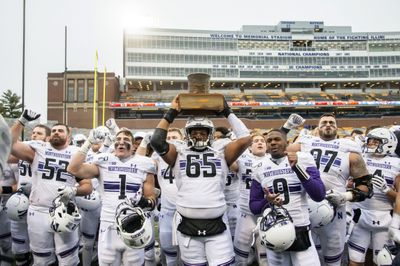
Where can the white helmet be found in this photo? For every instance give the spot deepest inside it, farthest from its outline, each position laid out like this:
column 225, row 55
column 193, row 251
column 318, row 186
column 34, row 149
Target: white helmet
column 388, row 141
column 78, row 139
column 17, row 206
column 133, row 227
column 276, row 229
column 386, row 255
column 321, row 213
column 89, row 202
column 64, row 217
column 203, row 123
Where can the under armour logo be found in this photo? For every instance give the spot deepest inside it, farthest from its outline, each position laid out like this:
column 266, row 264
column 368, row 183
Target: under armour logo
column 375, row 222
column 199, row 232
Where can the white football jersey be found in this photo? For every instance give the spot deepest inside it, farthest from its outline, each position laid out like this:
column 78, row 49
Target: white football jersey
column 387, row 167
column 119, row 180
column 200, row 178
column 332, row 159
column 167, row 183
column 25, row 171
column 280, row 178
column 49, row 172
column 247, row 162
column 231, row 190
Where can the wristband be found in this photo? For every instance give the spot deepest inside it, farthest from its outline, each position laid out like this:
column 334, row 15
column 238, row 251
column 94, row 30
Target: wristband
column 170, row 115
column 84, row 149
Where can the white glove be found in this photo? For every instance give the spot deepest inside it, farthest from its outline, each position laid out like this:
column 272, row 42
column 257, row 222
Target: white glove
column 294, row 121
column 112, row 126
column 28, row 116
column 146, row 140
column 67, row 192
column 394, row 232
column 338, row 198
column 98, row 134
column 110, row 139
column 380, row 183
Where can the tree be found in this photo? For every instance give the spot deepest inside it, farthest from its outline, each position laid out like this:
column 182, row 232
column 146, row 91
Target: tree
column 10, row 105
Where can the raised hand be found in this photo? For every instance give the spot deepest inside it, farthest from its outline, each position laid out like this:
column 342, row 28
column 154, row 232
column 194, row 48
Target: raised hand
column 294, row 121
column 28, row 116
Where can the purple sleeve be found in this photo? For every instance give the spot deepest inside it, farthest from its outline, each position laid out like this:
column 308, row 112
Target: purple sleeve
column 257, row 201
column 314, row 186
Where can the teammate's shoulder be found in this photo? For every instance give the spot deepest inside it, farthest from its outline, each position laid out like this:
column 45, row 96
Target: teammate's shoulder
column 305, row 158
column 305, row 139
column 179, row 144
column 220, row 144
column 348, row 145
column 145, row 163
column 37, row 144
column 101, row 158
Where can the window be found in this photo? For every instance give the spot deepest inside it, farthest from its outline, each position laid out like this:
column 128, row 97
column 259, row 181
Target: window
column 90, row 93
column 71, row 90
column 81, row 90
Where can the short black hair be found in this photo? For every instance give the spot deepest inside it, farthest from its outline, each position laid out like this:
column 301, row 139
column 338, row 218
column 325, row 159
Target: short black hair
column 224, row 130
column 356, row 131
column 283, row 133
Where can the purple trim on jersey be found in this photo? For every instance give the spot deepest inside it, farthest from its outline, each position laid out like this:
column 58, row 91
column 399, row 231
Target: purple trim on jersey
column 6, row 235
column 68, row 252
column 149, row 246
column 314, row 186
column 170, row 253
column 241, row 253
column 332, row 259
column 230, row 262
column 257, row 199
column 18, row 240
column 41, row 254
column 263, row 255
column 115, row 186
column 89, row 236
column 356, row 247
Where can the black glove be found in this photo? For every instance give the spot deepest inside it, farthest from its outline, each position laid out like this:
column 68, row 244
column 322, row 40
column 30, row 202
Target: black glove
column 28, row 116
column 226, row 111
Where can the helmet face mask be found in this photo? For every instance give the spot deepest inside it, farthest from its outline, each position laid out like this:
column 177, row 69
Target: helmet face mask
column 133, row 227
column 276, row 229
column 65, row 217
column 386, row 255
column 199, row 125
column 386, row 142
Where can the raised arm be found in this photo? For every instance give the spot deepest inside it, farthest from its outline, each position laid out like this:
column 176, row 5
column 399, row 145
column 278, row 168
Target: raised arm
column 159, row 138
column 19, row 149
column 77, row 167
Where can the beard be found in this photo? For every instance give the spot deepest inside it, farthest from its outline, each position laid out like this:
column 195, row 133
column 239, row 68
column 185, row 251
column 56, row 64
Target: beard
column 328, row 134
column 57, row 141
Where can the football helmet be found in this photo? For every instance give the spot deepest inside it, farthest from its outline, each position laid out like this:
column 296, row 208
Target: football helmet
column 17, row 206
column 199, row 123
column 89, row 202
column 387, row 139
column 386, row 255
column 321, row 213
column 276, row 229
column 64, row 217
column 78, row 140
column 133, row 227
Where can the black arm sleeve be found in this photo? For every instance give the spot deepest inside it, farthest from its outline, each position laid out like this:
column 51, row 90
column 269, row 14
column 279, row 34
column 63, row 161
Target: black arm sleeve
column 159, row 141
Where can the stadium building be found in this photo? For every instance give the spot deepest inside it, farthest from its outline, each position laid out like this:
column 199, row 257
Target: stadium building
column 265, row 72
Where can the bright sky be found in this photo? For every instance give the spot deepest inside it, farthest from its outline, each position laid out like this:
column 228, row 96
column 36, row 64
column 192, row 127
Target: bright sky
column 98, row 24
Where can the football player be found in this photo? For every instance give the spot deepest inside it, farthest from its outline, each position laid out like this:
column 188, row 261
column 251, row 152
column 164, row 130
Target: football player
column 200, row 170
